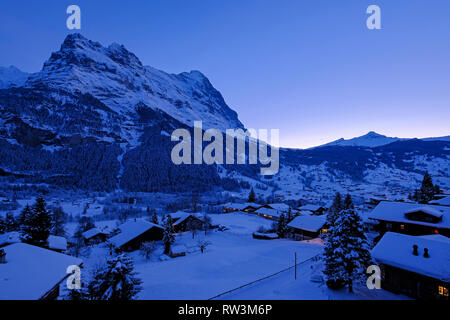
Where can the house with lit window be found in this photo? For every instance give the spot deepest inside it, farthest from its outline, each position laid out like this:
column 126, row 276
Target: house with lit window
column 268, row 213
column 312, row 209
column 235, row 207
column 411, row 218
column 417, row 266
column 308, row 227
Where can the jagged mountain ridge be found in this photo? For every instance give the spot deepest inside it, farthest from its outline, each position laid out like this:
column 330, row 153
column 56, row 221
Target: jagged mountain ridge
column 95, row 118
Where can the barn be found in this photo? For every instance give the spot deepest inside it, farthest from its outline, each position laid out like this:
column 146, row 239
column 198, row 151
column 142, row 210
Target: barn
column 417, row 266
column 135, row 232
column 94, row 236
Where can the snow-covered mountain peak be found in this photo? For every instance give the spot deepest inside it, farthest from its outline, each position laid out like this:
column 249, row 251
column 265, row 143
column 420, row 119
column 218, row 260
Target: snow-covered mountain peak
column 371, row 139
column 12, row 76
column 117, row 78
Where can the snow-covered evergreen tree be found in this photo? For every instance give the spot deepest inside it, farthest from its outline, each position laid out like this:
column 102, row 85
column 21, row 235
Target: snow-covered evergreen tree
column 335, row 209
column 11, row 223
column 36, row 225
column 347, row 251
column 427, row 190
column 116, row 281
column 154, row 218
column 281, row 226
column 252, row 196
column 59, row 219
column 168, row 237
column 348, row 203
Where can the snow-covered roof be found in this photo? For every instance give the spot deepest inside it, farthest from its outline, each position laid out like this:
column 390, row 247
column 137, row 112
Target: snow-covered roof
column 395, row 212
column 310, row 207
column 132, row 229
column 269, row 212
column 241, row 206
column 92, row 233
column 31, row 272
column 308, row 223
column 9, row 238
column 445, row 201
column 436, row 237
column 396, row 250
column 427, row 210
column 57, row 243
column 279, row 206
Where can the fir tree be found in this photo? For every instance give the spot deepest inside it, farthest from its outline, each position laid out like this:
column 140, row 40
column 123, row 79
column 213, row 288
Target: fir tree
column 11, row 223
column 206, row 223
column 252, row 196
column 154, row 217
column 347, row 252
column 348, row 203
column 427, row 190
column 2, row 225
column 281, row 226
column 59, row 219
column 168, row 237
column 335, row 209
column 37, row 224
column 117, row 281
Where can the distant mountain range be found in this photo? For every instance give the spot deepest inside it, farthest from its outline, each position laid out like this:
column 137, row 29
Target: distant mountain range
column 373, row 139
column 96, row 118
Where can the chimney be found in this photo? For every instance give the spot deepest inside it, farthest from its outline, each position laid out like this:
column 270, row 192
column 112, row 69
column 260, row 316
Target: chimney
column 415, row 250
column 425, row 253
column 2, row 256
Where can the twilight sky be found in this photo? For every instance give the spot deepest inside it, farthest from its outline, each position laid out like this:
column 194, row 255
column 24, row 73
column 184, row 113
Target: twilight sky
column 310, row 68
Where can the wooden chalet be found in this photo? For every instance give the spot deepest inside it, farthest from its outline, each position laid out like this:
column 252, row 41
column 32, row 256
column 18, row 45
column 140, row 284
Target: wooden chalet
column 416, row 266
column 183, row 221
column 312, row 209
column 411, row 218
column 308, row 227
column 135, row 232
column 236, row 207
column 94, row 236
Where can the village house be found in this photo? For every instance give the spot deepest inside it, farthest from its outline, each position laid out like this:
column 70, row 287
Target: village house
column 33, row 273
column 56, row 243
column 312, row 209
column 441, row 200
column 411, row 218
column 94, row 236
column 268, row 213
column 417, row 266
column 308, row 227
column 281, row 207
column 183, row 221
column 235, row 207
column 135, row 232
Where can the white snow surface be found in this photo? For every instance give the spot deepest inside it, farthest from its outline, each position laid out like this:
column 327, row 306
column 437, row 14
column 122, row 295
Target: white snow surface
column 30, row 272
column 396, row 250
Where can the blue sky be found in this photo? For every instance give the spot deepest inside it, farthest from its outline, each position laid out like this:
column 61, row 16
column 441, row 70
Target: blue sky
column 309, row 68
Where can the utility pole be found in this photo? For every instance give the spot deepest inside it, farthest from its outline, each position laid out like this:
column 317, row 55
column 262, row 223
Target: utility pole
column 295, row 266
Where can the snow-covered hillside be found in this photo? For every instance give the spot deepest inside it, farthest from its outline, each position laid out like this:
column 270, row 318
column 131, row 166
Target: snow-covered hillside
column 12, row 76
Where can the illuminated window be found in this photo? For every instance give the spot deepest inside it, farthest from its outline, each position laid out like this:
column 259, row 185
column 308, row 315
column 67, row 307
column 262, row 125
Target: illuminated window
column 443, row 291
column 436, row 231
column 324, row 230
column 402, row 226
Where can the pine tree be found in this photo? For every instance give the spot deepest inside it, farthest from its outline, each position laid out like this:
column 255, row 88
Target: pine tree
column 347, row 254
column 117, row 281
column 168, row 237
column 335, row 209
column 252, row 196
column 2, row 225
column 11, row 223
column 281, row 226
column 427, row 189
column 59, row 219
column 36, row 225
column 154, row 217
column 348, row 203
